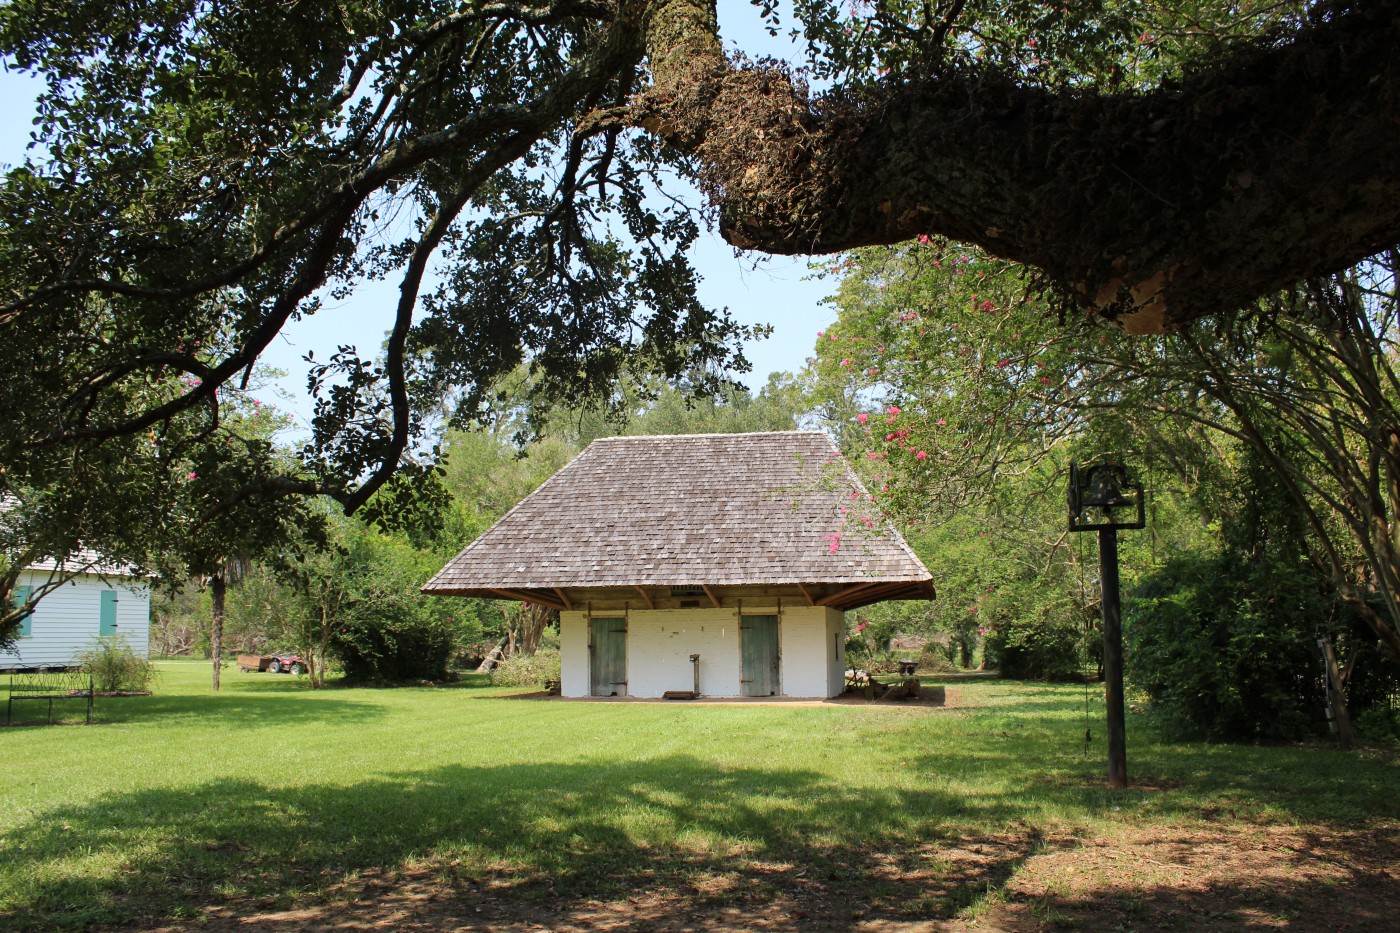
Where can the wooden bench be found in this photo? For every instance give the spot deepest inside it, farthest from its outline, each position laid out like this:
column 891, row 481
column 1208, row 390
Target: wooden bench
column 49, row 685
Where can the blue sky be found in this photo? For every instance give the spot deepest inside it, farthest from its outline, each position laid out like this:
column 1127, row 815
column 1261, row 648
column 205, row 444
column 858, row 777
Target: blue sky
column 757, row 289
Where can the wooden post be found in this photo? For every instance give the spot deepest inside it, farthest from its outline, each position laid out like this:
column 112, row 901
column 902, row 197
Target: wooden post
column 1337, row 717
column 1113, row 659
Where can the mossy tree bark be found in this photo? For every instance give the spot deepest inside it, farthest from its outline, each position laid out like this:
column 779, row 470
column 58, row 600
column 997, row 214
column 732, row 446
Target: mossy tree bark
column 1273, row 164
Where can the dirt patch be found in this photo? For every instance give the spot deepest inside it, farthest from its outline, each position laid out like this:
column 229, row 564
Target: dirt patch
column 1255, row 878
column 1133, row 878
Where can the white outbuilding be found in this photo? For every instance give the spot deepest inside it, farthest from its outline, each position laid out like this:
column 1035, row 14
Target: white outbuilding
column 721, row 564
column 102, row 601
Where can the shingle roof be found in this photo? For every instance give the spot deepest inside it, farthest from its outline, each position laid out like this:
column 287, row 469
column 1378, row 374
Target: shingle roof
column 718, row 509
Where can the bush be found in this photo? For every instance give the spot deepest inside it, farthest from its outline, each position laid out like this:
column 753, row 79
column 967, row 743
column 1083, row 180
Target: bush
column 394, row 647
column 115, row 667
column 934, row 660
column 1226, row 648
column 1047, row 649
column 1378, row 724
column 532, row 671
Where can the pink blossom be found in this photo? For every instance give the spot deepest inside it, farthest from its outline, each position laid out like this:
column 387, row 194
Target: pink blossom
column 942, row 422
column 988, row 306
column 862, row 417
column 832, row 337
column 921, row 455
column 923, row 239
column 892, row 410
column 845, row 362
column 820, row 335
column 194, row 476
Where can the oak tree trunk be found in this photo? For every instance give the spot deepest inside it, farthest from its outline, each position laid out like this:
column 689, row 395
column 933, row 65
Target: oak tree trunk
column 1154, row 207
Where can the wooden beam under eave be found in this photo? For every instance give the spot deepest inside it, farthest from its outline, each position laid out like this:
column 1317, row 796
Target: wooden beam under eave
column 564, row 598
column 646, row 597
column 865, row 596
column 886, row 591
column 526, row 596
column 714, row 601
column 840, row 596
column 811, row 600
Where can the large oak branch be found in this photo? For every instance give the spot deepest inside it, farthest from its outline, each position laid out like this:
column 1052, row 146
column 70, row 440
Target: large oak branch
column 1279, row 161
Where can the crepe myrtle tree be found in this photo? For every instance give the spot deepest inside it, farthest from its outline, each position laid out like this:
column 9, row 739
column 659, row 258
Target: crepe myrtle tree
column 947, row 382
column 204, row 174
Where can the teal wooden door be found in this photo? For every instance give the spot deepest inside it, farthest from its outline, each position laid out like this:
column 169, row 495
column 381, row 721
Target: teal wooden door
column 758, row 643
column 107, row 613
column 607, row 657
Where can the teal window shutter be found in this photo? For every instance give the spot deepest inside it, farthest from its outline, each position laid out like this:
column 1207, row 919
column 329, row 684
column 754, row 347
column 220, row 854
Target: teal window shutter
column 108, row 617
column 18, row 598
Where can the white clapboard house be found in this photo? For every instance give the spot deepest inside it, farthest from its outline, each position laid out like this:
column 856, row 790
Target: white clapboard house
column 103, row 600
column 723, row 560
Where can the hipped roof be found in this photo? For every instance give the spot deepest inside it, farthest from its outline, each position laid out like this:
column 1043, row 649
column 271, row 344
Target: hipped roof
column 706, row 509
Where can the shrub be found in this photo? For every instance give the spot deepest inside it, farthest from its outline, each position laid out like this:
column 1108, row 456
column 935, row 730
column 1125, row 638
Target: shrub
column 115, row 667
column 531, row 671
column 1226, row 648
column 1378, row 724
column 1049, row 648
column 934, row 659
column 394, row 646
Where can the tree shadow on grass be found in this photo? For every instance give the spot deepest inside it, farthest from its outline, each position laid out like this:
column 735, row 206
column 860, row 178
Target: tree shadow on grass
column 236, row 710
column 663, row 844
column 555, row 835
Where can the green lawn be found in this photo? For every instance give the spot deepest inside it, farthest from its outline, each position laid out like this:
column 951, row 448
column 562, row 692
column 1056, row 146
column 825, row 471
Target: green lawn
column 270, row 794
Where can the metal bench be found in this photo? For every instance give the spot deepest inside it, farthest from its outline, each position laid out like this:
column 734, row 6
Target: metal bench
column 49, row 685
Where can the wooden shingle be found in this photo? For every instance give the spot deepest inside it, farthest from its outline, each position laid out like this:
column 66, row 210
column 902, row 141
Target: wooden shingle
column 708, row 509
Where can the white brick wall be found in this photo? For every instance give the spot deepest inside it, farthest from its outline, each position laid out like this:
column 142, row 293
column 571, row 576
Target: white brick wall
column 65, row 622
column 836, row 661
column 660, row 643
column 573, row 654
column 809, row 655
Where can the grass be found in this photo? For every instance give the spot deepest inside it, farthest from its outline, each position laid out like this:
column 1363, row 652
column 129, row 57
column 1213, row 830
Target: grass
column 268, row 793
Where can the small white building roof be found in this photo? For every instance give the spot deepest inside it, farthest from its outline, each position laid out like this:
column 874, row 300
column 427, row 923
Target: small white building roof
column 707, row 509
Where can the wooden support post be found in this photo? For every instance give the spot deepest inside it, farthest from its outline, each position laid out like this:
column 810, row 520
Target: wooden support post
column 1113, row 659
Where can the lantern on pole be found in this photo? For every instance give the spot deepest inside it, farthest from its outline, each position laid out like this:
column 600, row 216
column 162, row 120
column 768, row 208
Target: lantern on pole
column 1104, row 498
